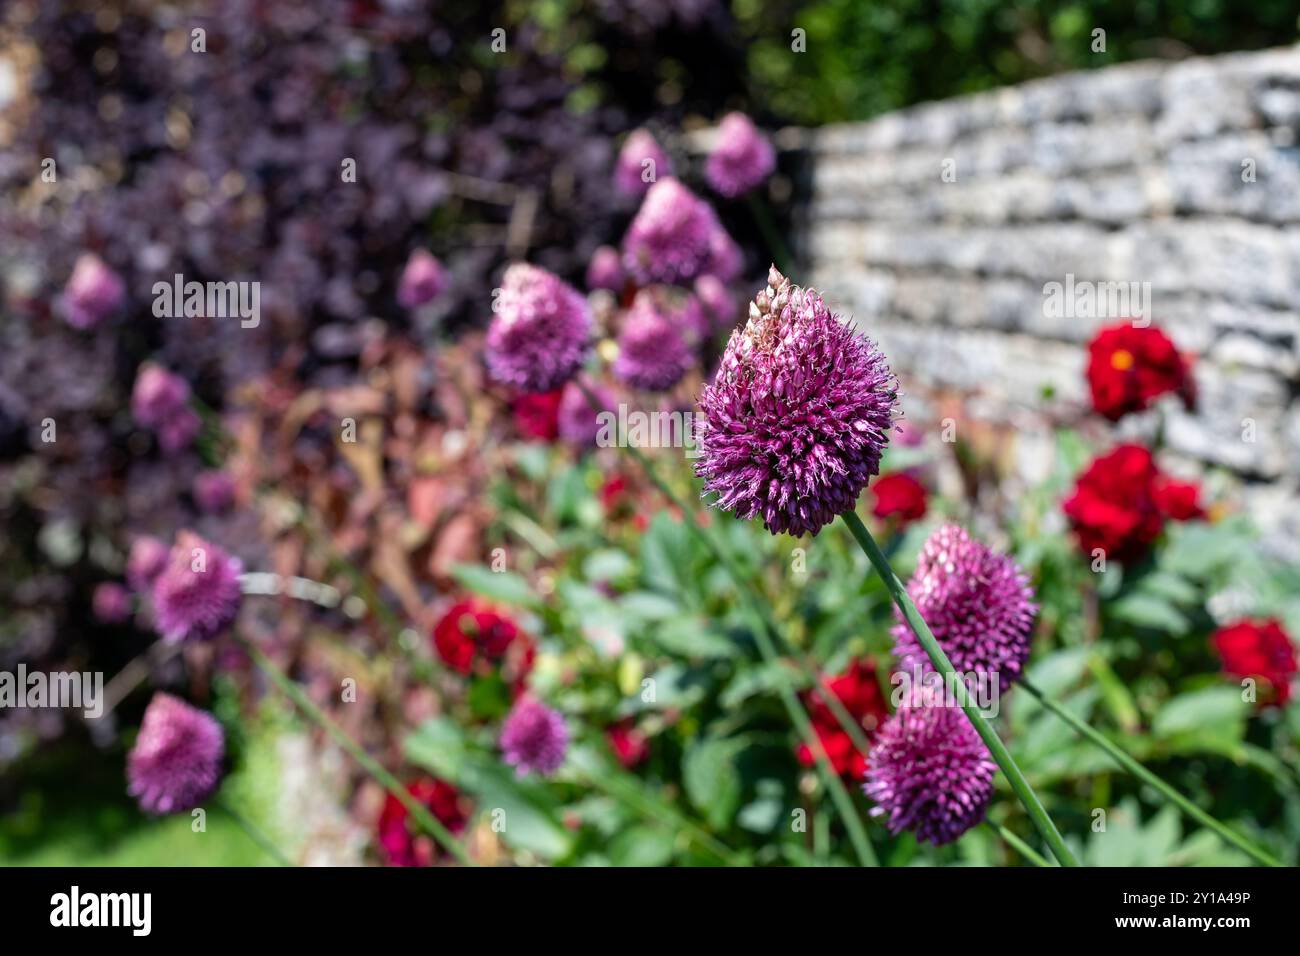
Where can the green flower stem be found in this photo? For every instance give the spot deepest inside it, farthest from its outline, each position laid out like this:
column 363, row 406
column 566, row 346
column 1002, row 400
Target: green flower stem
column 1116, row 753
column 422, row 816
column 1017, row 844
column 763, row 216
column 1042, row 822
column 762, row 634
column 254, row 833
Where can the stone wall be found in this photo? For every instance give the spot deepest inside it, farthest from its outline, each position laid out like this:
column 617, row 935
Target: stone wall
column 1135, row 173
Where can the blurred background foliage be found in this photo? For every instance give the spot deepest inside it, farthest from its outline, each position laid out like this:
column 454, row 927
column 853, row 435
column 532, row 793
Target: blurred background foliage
column 866, row 58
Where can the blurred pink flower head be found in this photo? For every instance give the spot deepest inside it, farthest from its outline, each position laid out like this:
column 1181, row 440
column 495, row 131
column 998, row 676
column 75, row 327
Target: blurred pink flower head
column 160, row 401
column 111, row 603
column 94, row 291
column 725, row 257
column 652, row 349
column 641, row 162
column 534, row 738
column 718, row 302
column 146, row 561
column 176, row 762
column 671, row 238
column 540, row 333
column 741, row 159
column 423, row 280
column 197, row 595
column 605, row 271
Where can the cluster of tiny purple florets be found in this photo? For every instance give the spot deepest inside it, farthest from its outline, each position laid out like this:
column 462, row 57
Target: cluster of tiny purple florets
column 741, row 159
column 197, row 594
column 929, row 771
column 674, row 237
column 534, row 738
column 652, row 350
column 176, row 761
column 798, row 414
column 160, row 401
column 540, row 332
column 641, row 162
column 977, row 602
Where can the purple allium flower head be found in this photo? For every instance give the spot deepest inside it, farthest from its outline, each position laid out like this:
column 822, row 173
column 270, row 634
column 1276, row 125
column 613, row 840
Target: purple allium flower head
column 94, row 291
column 160, row 400
column 928, row 771
column 798, row 414
column 578, row 422
column 977, row 602
column 652, row 348
column 717, row 301
column 158, row 395
column 633, row 175
column 671, row 238
column 197, row 595
column 540, row 333
column 214, row 491
column 741, row 159
column 146, row 561
column 423, row 280
column 176, row 762
column 534, row 738
column 605, row 271
column 111, row 603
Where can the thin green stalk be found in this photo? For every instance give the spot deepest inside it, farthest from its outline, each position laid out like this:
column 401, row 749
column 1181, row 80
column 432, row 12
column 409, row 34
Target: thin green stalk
column 254, row 833
column 389, row 782
column 763, row 216
column 798, row 716
column 1042, row 822
column 1017, row 844
column 1116, row 753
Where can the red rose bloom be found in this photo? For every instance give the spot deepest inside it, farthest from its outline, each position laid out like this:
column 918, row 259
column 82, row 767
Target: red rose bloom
column 1114, row 504
column 1129, row 367
column 899, row 496
column 1262, row 650
column 537, row 416
column 628, row 743
column 401, row 843
column 473, row 636
column 859, row 692
column 1178, row 500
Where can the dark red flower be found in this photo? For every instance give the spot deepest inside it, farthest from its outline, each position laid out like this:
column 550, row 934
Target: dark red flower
column 1114, row 506
column 628, row 743
column 1262, row 650
column 473, row 636
column 537, row 415
column 899, row 496
column 403, row 843
column 859, row 692
column 1178, row 500
column 613, row 492
column 1129, row 367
